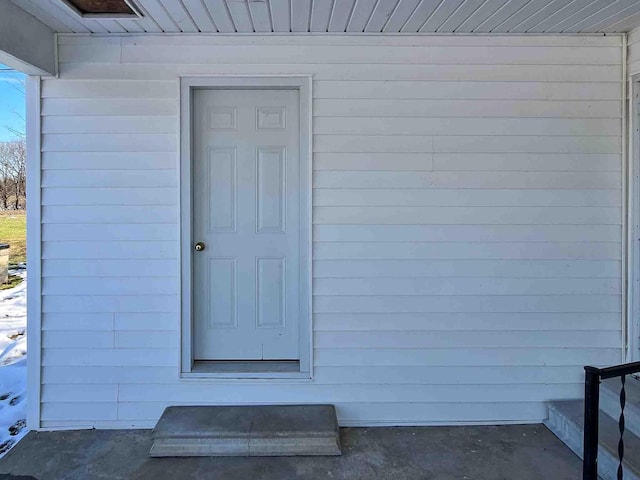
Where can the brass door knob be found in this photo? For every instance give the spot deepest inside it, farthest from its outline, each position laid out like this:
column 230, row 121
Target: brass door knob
column 199, row 247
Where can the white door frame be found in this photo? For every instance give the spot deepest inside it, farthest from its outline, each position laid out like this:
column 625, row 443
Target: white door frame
column 303, row 83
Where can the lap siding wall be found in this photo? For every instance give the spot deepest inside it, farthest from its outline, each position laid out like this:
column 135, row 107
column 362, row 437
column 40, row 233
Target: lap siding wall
column 467, row 224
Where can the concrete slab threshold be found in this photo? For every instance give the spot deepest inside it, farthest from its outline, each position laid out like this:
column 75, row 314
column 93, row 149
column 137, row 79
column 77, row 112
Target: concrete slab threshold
column 265, row 430
column 522, row 452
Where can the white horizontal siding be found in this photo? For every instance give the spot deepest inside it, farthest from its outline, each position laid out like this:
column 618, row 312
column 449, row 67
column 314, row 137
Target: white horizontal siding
column 418, row 339
column 135, row 52
column 367, row 413
column 56, row 142
column 439, row 126
column 467, row 90
column 443, row 286
column 382, row 215
column 109, row 303
column 459, row 250
column 467, row 224
column 410, row 144
column 480, row 197
column 118, row 160
column 450, row 322
column 241, row 393
column 461, row 233
column 108, row 178
column 488, row 73
column 444, row 357
column 109, row 267
column 450, row 179
column 360, row 107
column 466, row 233
column 465, row 268
column 469, row 304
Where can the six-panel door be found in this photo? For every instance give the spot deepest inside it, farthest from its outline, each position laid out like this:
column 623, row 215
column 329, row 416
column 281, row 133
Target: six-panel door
column 246, row 213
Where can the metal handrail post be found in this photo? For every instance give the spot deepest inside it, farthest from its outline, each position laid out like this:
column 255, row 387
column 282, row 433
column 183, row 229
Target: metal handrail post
column 591, row 413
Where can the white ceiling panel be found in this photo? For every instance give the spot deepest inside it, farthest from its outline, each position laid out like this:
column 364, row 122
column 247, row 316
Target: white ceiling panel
column 352, row 16
column 260, row 16
column 592, row 7
column 177, row 11
column 300, row 15
column 112, row 26
column 530, row 22
column 420, row 15
column 155, row 10
column 145, row 24
column 521, row 15
column 503, row 13
column 573, row 7
column 625, row 25
column 280, row 15
column 400, row 15
column 240, row 14
column 381, row 15
column 360, row 15
column 482, row 14
column 340, row 15
column 320, row 15
column 460, row 15
column 200, row 15
column 442, row 13
column 220, row 15
column 611, row 14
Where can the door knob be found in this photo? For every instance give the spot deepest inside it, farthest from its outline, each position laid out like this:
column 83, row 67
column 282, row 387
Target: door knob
column 199, row 247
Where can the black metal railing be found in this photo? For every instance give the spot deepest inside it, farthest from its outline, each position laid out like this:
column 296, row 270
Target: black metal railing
column 593, row 377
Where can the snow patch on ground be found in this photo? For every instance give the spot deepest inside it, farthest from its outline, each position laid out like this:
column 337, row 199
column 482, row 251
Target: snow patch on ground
column 13, row 363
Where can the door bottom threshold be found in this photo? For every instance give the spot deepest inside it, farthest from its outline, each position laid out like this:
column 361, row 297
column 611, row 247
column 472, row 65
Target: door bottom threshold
column 246, row 366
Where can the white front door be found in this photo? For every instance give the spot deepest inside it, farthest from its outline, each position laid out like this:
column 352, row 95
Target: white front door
column 246, row 199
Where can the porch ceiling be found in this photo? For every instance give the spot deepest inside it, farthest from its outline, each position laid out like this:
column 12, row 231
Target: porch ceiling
column 374, row 16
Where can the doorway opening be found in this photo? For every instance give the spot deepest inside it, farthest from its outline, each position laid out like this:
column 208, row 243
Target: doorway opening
column 246, row 227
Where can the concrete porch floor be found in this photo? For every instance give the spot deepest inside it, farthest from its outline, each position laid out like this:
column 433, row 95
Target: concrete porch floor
column 523, row 452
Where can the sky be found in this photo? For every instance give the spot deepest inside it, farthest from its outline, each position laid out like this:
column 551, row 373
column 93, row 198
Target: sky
column 12, row 103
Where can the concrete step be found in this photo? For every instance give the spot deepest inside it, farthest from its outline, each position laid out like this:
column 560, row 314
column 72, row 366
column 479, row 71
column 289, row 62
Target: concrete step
column 265, row 431
column 566, row 421
column 610, row 401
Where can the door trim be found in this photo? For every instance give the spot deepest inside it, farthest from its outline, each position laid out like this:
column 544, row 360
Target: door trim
column 302, row 83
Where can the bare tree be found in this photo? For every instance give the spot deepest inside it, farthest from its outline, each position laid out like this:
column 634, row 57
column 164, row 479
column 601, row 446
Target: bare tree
column 13, row 154
column 13, row 171
column 5, row 187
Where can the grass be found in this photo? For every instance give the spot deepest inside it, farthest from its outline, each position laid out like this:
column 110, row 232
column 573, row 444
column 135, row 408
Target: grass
column 13, row 230
column 14, row 281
